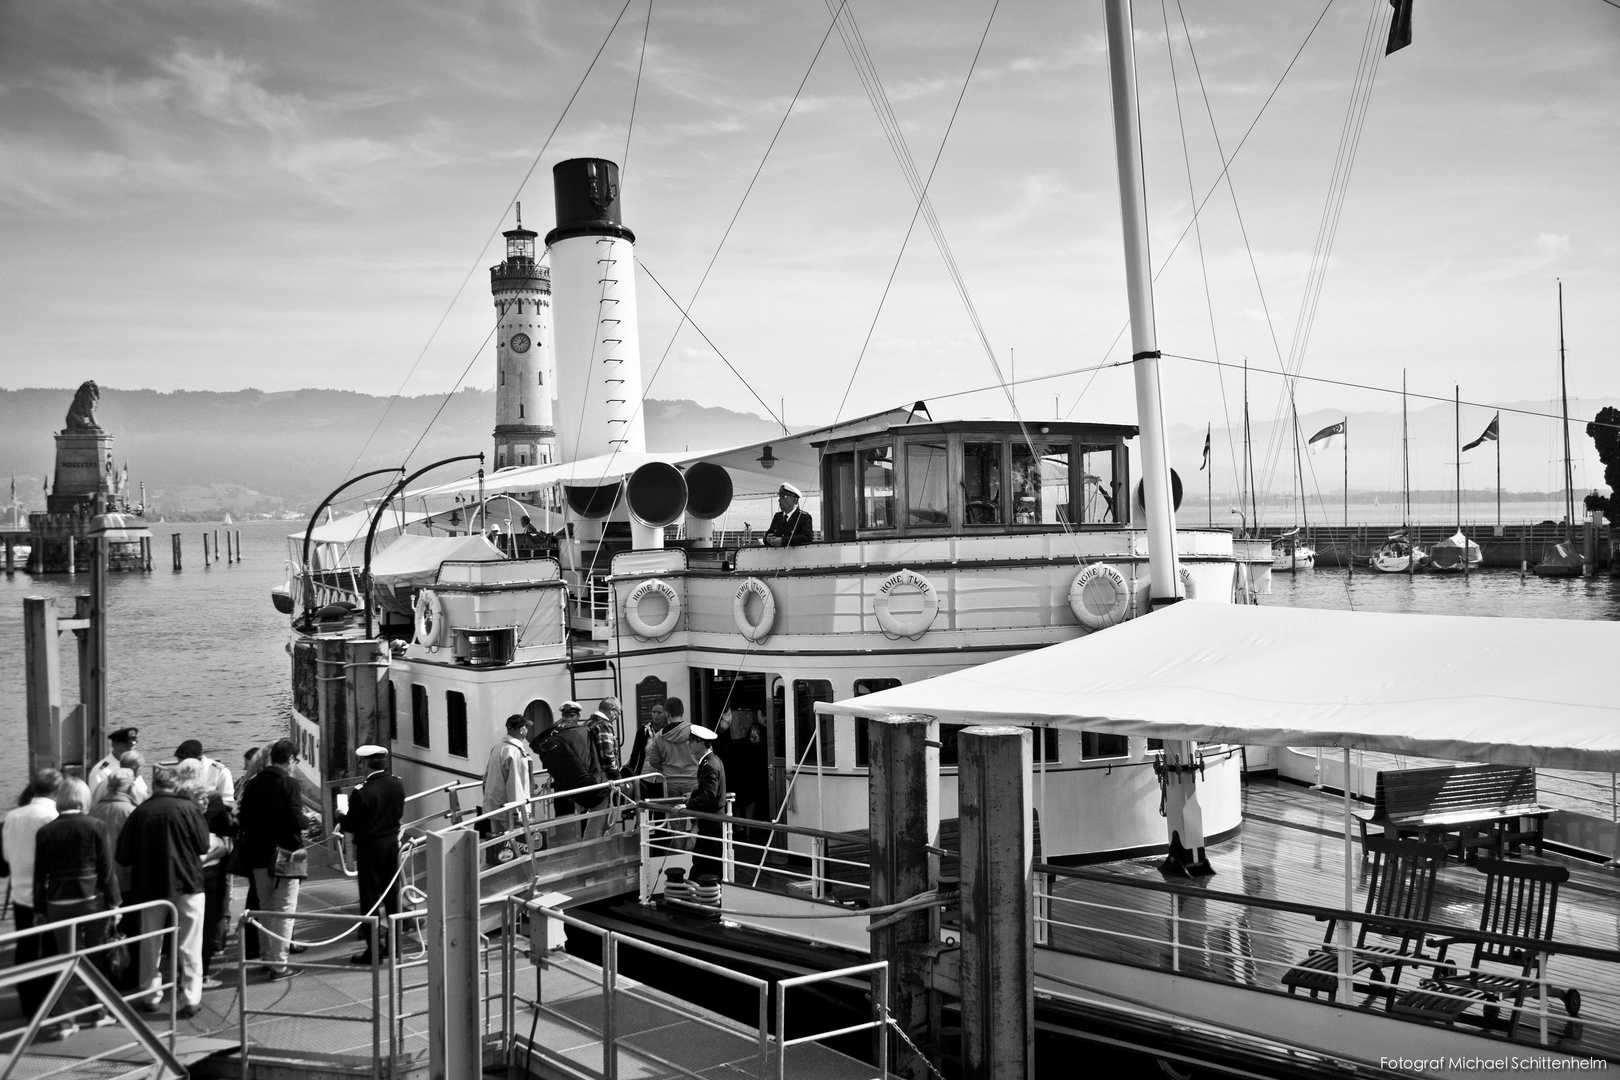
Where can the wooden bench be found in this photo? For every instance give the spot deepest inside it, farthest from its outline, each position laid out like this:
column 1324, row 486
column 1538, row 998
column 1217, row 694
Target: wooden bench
column 1462, row 806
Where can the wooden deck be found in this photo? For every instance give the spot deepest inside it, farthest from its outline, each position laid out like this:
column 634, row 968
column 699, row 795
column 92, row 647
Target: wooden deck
column 1292, row 849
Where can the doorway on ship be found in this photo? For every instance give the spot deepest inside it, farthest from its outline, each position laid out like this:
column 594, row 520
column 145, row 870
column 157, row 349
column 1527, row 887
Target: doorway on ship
column 739, row 706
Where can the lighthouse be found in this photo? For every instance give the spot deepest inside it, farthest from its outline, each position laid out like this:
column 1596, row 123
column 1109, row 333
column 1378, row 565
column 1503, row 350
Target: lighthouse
column 525, row 375
column 593, row 257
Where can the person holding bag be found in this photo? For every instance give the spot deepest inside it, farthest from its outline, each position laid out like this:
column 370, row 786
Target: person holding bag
column 270, row 840
column 163, row 843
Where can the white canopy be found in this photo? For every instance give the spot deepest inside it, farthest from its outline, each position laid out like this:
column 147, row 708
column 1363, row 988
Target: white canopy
column 1514, row 691
column 413, row 561
column 351, row 528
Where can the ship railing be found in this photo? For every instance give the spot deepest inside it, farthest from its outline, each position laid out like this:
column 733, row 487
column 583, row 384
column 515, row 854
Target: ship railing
column 1251, row 941
column 765, row 1056
column 590, row 604
column 83, row 953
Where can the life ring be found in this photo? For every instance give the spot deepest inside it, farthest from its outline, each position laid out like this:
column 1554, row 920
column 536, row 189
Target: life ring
column 909, row 626
column 429, row 619
column 1188, row 587
column 644, row 630
column 754, row 631
column 1100, row 596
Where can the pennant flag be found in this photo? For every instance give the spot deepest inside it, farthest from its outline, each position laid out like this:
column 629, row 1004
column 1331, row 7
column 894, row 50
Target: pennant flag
column 1400, row 26
column 1492, row 432
column 1325, row 436
column 1206, row 453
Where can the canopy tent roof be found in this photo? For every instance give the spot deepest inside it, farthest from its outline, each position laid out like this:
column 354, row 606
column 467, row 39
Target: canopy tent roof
column 794, row 459
column 1514, row 691
column 352, row 527
column 413, row 561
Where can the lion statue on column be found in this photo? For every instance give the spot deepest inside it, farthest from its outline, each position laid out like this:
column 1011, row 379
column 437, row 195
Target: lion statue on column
column 82, row 413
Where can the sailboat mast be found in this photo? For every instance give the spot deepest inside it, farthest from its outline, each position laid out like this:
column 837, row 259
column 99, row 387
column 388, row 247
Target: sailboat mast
column 1563, row 392
column 1406, row 463
column 1161, row 527
column 1456, row 444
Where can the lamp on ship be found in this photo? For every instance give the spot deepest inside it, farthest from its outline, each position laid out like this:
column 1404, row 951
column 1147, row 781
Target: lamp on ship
column 766, row 459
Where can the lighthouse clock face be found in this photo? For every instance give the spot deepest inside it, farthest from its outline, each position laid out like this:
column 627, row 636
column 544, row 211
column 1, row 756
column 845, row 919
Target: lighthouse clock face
column 520, row 343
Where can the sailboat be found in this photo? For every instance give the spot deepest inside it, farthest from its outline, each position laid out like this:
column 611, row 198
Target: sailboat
column 1456, row 553
column 1398, row 554
column 1290, row 552
column 1564, row 560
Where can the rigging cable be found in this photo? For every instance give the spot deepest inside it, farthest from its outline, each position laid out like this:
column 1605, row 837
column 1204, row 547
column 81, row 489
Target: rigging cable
column 635, row 96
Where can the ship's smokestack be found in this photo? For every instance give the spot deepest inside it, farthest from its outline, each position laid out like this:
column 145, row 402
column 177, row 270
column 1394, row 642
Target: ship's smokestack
column 598, row 344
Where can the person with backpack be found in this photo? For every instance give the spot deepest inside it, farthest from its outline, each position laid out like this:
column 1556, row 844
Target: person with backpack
column 568, row 752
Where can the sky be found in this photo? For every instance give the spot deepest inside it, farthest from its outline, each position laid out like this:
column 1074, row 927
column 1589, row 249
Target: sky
column 289, row 193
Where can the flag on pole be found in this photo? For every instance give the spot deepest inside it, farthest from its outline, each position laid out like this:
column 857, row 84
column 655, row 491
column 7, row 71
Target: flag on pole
column 1205, row 465
column 1492, row 432
column 1400, row 26
column 1326, row 436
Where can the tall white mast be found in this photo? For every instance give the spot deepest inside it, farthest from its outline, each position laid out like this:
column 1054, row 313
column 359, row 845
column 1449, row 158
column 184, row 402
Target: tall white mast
column 1161, row 526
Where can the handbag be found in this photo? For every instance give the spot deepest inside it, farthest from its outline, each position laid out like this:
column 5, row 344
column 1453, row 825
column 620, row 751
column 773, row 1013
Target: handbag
column 118, row 950
column 290, row 863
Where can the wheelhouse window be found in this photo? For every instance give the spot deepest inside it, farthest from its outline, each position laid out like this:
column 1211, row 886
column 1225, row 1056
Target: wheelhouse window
column 1040, row 484
column 877, row 487
column 1099, row 486
column 927, row 485
column 806, row 692
column 419, row 715
column 863, row 749
column 455, row 713
column 981, row 483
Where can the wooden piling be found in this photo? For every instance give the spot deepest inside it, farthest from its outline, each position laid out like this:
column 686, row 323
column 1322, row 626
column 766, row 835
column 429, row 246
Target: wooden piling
column 238, row 545
column 998, row 943
column 11, row 556
column 206, row 562
column 903, row 798
column 73, row 554
column 43, row 676
column 174, row 543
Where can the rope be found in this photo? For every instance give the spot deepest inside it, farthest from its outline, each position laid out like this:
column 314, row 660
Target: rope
column 404, row 851
column 920, row 902
column 914, row 1049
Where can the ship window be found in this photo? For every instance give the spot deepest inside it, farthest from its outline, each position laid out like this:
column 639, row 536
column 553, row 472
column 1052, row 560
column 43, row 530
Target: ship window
column 806, row 692
column 1097, row 745
column 863, row 752
column 981, row 483
column 1098, row 486
column 1040, row 484
column 877, row 487
column 393, row 712
column 1046, row 745
column 927, row 492
column 838, row 496
column 419, row 715
column 455, row 714
column 503, row 376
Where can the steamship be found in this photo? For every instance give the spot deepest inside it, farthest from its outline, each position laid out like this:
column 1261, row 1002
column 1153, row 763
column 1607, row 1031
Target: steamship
column 583, row 565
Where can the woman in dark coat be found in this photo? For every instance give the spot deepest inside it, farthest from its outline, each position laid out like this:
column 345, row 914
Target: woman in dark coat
column 74, row 874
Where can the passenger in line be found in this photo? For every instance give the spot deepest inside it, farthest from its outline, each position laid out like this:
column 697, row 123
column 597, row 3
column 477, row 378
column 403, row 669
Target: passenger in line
column 791, row 526
column 673, row 754
column 508, row 782
column 163, row 844
column 271, row 817
column 113, row 811
column 646, row 727
column 122, row 742
column 709, row 797
column 222, row 831
column 74, row 875
column 568, row 752
column 376, row 808
column 134, row 763
column 17, row 838
column 604, row 724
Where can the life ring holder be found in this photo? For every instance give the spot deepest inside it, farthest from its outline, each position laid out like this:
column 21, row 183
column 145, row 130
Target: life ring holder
column 643, row 630
column 910, row 626
column 1118, row 611
column 754, row 631
column 429, row 619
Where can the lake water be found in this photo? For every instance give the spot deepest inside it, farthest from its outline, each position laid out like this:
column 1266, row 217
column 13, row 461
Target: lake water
column 202, row 653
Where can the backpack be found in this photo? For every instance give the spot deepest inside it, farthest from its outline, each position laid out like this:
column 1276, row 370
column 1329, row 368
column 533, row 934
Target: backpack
column 569, row 755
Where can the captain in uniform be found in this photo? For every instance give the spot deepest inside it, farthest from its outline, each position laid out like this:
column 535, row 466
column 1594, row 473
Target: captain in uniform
column 372, row 822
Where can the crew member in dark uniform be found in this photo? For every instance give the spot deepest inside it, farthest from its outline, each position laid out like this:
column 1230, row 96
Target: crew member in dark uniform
column 372, row 821
column 790, row 527
column 709, row 797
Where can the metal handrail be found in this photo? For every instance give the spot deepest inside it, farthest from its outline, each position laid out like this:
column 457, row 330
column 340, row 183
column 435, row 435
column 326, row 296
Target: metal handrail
column 880, row 1005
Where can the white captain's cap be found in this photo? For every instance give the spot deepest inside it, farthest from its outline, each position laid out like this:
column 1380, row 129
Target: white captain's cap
column 371, row 750
column 790, row 489
column 570, row 706
column 706, row 734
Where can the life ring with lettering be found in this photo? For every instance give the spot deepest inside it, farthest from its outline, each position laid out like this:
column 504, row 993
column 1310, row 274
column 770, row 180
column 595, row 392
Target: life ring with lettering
column 754, row 631
column 1100, row 596
column 639, row 626
column 916, row 624
column 1188, row 588
column 429, row 619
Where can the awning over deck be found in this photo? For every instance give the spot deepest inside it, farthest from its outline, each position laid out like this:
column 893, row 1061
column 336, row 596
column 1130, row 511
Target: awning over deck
column 413, row 561
column 1515, row 691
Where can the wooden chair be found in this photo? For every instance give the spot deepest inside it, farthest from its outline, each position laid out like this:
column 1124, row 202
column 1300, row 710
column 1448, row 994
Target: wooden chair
column 1520, row 901
column 1402, row 887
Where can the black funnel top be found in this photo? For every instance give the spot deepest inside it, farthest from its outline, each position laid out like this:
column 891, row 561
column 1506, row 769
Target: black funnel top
column 587, row 200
